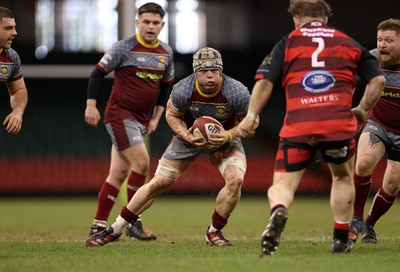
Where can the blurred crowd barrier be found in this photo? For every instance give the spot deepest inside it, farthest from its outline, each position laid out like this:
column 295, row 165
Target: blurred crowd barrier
column 56, row 152
column 85, row 176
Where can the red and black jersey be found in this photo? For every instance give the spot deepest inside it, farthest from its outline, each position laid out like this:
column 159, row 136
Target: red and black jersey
column 317, row 65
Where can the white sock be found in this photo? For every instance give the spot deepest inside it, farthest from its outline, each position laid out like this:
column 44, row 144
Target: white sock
column 212, row 229
column 119, row 225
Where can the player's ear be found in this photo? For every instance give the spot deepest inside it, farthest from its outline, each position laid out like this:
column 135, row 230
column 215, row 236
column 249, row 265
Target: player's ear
column 296, row 22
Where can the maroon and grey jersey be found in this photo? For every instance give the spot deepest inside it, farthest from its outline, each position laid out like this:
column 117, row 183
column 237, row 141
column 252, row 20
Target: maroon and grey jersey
column 10, row 65
column 228, row 104
column 139, row 70
column 387, row 111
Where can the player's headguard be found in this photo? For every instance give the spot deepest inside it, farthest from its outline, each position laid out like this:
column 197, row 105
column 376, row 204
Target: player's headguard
column 207, row 58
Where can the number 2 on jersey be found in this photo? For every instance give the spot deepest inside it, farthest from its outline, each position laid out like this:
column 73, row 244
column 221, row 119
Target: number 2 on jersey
column 314, row 56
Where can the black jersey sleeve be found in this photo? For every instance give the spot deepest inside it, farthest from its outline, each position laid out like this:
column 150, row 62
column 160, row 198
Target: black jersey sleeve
column 271, row 67
column 368, row 66
column 95, row 83
column 165, row 90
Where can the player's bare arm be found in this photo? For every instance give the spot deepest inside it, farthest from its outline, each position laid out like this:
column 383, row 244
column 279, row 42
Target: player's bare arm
column 261, row 93
column 371, row 96
column 155, row 119
column 92, row 114
column 179, row 127
column 18, row 102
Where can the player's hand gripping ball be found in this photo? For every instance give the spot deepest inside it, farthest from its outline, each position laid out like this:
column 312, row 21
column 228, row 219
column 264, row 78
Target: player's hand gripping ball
column 205, row 125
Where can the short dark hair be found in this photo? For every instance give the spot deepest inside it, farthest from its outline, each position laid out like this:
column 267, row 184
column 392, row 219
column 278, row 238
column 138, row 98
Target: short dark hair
column 6, row 13
column 309, row 8
column 390, row 24
column 151, row 8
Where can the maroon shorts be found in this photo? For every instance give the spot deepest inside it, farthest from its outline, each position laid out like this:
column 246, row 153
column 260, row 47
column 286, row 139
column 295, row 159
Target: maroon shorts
column 293, row 157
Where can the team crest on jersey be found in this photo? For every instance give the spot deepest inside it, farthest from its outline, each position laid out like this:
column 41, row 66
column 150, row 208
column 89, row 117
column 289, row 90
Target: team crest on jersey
column 4, row 69
column 318, row 81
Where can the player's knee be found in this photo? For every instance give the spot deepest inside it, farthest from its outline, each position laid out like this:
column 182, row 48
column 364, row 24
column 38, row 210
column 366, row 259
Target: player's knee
column 167, row 171
column 142, row 164
column 143, row 167
column 118, row 177
column 391, row 187
column 234, row 183
column 363, row 168
column 232, row 161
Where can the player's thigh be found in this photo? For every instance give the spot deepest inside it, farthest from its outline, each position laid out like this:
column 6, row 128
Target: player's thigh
column 343, row 171
column 370, row 150
column 119, row 167
column 138, row 157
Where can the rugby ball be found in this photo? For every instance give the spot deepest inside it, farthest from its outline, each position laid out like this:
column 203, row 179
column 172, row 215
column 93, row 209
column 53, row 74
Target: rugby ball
column 204, row 126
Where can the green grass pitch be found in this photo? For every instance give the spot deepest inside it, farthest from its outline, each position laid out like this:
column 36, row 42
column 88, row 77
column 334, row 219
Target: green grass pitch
column 47, row 234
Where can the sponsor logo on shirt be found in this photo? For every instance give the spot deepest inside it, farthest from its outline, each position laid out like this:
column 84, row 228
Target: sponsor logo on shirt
column 319, row 99
column 317, row 32
column 390, row 94
column 148, row 75
column 318, row 81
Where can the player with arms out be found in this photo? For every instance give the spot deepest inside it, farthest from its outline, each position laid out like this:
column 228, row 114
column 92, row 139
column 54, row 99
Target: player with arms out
column 381, row 135
column 11, row 73
column 317, row 65
column 206, row 92
column 144, row 73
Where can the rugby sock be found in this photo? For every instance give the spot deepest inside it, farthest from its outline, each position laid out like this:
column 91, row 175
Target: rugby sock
column 218, row 222
column 380, row 205
column 341, row 230
column 119, row 224
column 135, row 181
column 128, row 215
column 363, row 187
column 107, row 196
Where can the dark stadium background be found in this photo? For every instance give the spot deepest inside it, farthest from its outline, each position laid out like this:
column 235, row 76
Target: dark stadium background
column 57, row 153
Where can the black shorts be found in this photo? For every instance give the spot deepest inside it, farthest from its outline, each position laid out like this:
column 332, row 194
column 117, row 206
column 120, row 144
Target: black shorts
column 293, row 156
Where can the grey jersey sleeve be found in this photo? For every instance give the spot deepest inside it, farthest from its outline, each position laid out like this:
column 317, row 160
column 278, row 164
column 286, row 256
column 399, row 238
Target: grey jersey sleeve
column 182, row 92
column 115, row 56
column 238, row 95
